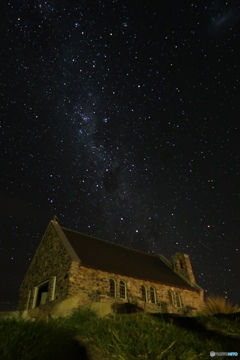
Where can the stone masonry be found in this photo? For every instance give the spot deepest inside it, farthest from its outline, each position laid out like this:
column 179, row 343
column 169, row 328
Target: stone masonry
column 95, row 284
column 51, row 260
column 54, row 270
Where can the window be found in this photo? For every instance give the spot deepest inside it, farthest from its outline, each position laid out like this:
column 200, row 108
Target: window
column 44, row 292
column 34, row 297
column 122, row 290
column 153, row 295
column 40, row 294
column 144, row 293
column 171, row 297
column 178, row 300
column 28, row 300
column 53, row 288
column 112, row 284
column 175, row 300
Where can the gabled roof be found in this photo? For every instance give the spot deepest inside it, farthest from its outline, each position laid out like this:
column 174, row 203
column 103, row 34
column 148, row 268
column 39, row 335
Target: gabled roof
column 106, row 256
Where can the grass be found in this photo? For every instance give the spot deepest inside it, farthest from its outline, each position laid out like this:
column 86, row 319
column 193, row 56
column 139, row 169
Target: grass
column 219, row 305
column 141, row 336
column 122, row 337
column 34, row 340
column 221, row 325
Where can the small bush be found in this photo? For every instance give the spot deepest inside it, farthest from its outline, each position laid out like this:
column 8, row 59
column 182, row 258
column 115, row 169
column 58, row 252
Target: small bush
column 33, row 340
column 219, row 305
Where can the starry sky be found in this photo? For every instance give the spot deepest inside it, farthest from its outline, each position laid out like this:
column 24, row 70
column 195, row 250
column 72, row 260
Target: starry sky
column 122, row 118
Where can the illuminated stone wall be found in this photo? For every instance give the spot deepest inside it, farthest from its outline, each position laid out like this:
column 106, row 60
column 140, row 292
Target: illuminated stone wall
column 67, row 278
column 95, row 284
column 51, row 260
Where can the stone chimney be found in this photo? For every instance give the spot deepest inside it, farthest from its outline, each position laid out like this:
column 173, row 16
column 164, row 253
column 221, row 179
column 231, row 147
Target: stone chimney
column 182, row 266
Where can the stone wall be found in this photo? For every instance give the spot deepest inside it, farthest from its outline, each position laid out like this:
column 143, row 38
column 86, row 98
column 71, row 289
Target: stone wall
column 50, row 263
column 94, row 284
column 66, row 278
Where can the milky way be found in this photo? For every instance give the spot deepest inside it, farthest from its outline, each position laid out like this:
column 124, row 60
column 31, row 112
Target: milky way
column 123, row 120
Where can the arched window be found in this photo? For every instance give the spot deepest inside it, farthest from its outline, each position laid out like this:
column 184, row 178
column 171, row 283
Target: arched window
column 144, row 293
column 178, row 300
column 112, row 284
column 153, row 295
column 123, row 289
column 171, row 297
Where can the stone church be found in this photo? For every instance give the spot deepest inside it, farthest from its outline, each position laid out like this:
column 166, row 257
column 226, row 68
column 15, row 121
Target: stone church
column 68, row 263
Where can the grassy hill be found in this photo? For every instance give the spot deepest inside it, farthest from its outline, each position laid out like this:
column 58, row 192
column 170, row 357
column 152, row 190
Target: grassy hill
column 84, row 336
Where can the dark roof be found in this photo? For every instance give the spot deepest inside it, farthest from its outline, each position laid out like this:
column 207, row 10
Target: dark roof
column 103, row 255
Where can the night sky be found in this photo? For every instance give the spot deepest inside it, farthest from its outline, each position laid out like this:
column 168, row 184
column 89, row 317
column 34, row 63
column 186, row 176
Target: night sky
column 122, row 118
